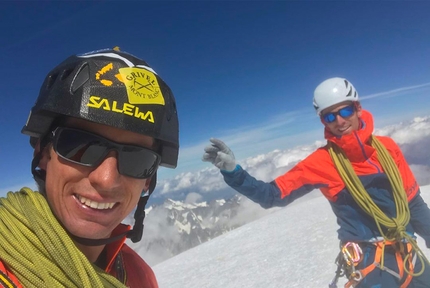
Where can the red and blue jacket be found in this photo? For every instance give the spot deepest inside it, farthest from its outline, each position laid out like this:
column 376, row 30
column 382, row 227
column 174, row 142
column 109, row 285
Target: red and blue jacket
column 317, row 171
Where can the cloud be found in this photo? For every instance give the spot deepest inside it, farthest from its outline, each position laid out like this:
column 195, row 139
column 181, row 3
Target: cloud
column 397, row 92
column 156, row 224
column 193, row 198
column 414, row 133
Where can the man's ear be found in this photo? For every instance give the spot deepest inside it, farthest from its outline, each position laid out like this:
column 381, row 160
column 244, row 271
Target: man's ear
column 44, row 156
column 358, row 109
column 323, row 122
column 150, row 183
column 147, row 183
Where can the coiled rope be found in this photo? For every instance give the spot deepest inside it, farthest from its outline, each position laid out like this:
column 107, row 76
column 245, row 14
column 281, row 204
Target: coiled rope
column 396, row 227
column 39, row 251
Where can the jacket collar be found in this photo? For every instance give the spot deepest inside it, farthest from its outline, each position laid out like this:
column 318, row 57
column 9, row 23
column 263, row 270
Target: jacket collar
column 112, row 249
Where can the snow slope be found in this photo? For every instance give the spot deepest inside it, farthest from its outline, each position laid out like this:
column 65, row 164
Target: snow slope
column 292, row 247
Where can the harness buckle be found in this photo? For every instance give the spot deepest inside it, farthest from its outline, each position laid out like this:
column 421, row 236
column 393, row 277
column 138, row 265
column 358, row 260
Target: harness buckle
column 356, row 276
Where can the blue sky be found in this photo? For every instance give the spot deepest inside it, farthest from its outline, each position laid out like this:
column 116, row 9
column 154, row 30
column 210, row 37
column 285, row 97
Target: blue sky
column 243, row 71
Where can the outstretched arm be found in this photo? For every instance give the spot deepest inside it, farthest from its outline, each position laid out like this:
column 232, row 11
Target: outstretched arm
column 263, row 193
column 266, row 194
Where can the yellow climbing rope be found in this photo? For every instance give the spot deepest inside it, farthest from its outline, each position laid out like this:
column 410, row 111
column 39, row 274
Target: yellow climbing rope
column 38, row 250
column 396, row 227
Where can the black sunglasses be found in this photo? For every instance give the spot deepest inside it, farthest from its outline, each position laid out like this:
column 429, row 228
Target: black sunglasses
column 88, row 149
column 344, row 113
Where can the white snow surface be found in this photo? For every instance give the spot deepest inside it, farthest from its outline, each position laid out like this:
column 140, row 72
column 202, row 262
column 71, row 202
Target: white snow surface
column 292, row 247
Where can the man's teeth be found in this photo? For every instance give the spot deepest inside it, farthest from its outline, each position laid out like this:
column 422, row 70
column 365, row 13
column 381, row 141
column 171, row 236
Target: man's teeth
column 94, row 204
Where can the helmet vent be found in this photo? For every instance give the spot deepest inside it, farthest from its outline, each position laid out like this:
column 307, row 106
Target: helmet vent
column 350, row 92
column 51, row 80
column 66, row 73
column 81, row 78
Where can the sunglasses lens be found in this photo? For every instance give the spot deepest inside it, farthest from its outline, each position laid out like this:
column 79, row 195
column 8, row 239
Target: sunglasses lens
column 329, row 117
column 138, row 162
column 89, row 149
column 80, row 147
column 346, row 112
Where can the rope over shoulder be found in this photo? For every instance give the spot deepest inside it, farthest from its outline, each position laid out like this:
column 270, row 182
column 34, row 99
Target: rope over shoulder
column 395, row 227
column 39, row 251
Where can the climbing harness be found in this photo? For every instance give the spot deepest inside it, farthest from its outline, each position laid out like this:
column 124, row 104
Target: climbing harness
column 39, row 251
column 351, row 255
column 395, row 227
column 357, row 275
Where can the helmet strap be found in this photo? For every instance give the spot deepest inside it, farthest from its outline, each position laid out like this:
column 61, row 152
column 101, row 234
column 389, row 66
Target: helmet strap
column 135, row 235
column 97, row 242
column 39, row 175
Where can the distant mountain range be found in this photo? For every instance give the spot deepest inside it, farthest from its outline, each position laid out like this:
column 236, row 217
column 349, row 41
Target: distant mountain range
column 176, row 226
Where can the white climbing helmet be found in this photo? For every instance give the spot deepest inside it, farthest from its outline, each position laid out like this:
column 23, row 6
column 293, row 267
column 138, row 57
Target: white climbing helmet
column 333, row 91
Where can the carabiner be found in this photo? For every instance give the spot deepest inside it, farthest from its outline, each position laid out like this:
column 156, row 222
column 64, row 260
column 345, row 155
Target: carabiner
column 352, row 253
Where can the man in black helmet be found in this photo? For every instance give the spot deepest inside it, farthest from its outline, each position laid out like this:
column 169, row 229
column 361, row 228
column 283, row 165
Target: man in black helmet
column 103, row 123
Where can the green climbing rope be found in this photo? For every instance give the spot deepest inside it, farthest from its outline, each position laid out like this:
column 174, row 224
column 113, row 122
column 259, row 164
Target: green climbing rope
column 39, row 251
column 395, row 227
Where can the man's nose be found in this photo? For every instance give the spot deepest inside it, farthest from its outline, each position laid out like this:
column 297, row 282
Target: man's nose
column 106, row 176
column 340, row 119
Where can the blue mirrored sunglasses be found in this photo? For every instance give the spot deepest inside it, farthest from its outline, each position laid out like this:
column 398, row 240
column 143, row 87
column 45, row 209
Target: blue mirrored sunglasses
column 344, row 112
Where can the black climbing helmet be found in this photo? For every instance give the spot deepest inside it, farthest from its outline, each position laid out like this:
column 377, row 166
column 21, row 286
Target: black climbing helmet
column 113, row 88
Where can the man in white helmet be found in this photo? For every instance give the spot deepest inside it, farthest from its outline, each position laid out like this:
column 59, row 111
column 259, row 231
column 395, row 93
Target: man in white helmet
column 366, row 180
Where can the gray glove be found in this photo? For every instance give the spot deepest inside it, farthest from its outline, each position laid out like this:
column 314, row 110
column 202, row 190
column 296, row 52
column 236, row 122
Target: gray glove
column 219, row 155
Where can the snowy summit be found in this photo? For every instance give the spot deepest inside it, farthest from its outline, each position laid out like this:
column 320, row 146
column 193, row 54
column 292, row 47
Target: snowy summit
column 293, row 247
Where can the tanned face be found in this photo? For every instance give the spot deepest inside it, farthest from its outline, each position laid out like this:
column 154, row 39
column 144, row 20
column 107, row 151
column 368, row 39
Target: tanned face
column 91, row 201
column 343, row 125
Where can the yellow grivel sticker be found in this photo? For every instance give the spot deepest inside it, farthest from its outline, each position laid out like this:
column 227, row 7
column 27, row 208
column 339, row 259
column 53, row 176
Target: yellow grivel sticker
column 142, row 86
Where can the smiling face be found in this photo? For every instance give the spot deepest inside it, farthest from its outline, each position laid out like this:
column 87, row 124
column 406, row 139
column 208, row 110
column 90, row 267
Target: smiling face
column 91, row 201
column 343, row 125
